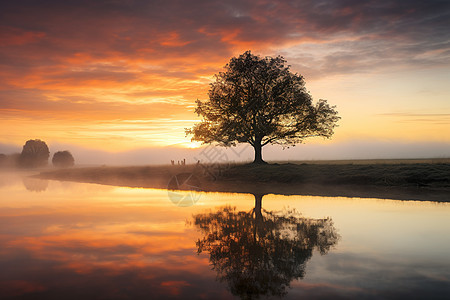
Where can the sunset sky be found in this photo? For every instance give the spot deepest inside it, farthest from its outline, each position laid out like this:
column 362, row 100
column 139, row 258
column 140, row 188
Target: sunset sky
column 123, row 75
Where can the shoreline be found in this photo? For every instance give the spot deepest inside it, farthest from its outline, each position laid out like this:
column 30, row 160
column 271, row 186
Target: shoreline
column 416, row 182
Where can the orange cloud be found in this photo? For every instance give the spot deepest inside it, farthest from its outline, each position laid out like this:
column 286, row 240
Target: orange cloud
column 137, row 60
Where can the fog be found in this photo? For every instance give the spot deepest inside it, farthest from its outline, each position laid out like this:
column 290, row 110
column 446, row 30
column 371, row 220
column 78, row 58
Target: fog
column 242, row 153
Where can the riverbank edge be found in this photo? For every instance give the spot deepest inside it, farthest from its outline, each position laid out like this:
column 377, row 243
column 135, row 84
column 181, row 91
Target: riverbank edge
column 286, row 179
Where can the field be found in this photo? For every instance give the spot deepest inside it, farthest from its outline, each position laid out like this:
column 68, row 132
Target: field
column 416, row 180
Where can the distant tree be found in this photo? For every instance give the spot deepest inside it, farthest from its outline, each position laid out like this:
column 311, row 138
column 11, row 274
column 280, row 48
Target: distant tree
column 258, row 253
column 34, row 154
column 63, row 159
column 260, row 101
column 10, row 160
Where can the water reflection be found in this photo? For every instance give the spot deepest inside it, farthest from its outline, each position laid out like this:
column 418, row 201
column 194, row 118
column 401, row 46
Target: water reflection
column 259, row 252
column 34, row 184
column 87, row 241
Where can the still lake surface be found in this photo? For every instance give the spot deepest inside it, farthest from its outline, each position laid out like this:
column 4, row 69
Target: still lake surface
column 63, row 240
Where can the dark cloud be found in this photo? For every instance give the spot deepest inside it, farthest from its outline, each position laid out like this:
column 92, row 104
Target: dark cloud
column 171, row 33
column 212, row 29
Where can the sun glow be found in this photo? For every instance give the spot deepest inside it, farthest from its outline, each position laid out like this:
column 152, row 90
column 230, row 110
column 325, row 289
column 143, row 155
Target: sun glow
column 98, row 83
column 192, row 145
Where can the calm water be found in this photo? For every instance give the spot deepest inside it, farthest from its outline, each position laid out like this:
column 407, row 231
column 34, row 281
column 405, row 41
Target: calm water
column 62, row 240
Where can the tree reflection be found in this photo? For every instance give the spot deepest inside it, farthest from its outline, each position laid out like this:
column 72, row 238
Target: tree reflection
column 34, row 184
column 260, row 252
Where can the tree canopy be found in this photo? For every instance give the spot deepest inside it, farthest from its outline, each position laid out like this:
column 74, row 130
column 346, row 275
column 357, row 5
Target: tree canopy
column 260, row 101
column 63, row 159
column 258, row 253
column 35, row 153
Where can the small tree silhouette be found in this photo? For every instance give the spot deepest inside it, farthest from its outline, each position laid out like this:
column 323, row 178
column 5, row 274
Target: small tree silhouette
column 34, row 154
column 63, row 159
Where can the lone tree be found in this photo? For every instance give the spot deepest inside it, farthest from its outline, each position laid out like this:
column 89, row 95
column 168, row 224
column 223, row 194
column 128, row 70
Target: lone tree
column 34, row 154
column 63, row 159
column 260, row 101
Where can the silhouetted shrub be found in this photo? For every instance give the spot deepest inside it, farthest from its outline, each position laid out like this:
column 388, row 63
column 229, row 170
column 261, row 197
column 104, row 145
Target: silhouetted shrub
column 34, row 154
column 63, row 159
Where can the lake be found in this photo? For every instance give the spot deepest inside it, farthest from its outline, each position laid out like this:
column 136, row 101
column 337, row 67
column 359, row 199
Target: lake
column 64, row 240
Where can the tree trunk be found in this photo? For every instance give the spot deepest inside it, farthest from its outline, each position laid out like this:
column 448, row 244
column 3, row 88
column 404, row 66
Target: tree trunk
column 259, row 220
column 258, row 152
column 258, row 207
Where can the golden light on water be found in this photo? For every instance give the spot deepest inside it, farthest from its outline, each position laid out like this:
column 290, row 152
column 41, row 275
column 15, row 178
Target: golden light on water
column 91, row 235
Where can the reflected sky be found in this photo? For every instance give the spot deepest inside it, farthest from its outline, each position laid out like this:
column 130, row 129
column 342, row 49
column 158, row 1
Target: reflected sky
column 75, row 241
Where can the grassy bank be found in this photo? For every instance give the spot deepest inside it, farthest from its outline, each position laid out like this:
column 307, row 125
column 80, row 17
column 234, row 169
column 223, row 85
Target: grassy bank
column 405, row 175
column 412, row 181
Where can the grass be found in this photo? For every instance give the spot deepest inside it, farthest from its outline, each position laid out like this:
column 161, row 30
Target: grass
column 416, row 180
column 406, row 175
column 371, row 161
